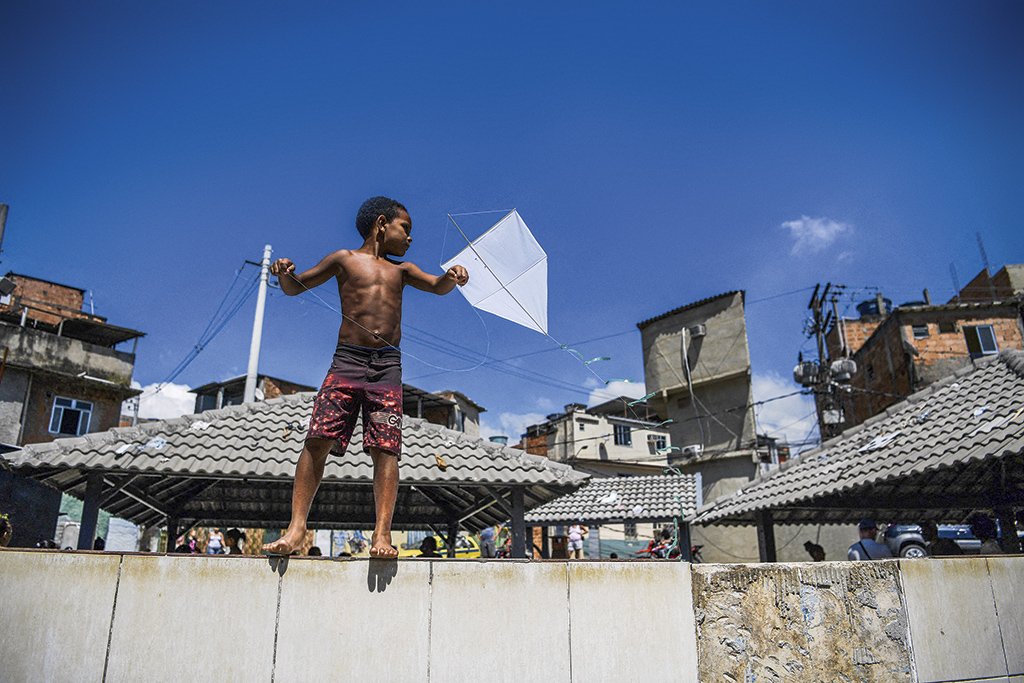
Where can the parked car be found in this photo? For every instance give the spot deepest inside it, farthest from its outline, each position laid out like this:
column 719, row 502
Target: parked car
column 465, row 546
column 905, row 540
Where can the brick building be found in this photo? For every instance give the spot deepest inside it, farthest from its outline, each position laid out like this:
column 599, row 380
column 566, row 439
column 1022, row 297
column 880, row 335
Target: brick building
column 901, row 349
column 63, row 372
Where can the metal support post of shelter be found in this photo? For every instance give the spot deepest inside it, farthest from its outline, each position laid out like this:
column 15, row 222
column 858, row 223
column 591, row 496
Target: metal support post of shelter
column 765, row 536
column 172, row 533
column 90, row 510
column 683, row 540
column 518, row 523
column 453, row 537
column 1009, row 542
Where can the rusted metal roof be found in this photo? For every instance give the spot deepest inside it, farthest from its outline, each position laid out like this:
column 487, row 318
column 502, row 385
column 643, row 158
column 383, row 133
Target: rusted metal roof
column 952, row 448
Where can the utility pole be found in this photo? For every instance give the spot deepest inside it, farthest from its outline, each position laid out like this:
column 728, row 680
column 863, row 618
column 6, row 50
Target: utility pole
column 257, row 328
column 823, row 375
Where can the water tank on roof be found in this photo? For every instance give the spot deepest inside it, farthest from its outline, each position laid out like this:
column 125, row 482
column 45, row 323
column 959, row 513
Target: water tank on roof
column 503, row 440
column 870, row 307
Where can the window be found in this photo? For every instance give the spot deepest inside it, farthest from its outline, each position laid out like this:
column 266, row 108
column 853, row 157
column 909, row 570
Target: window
column 920, row 331
column 582, row 425
column 623, row 435
column 947, row 328
column 206, row 402
column 70, row 417
column 629, row 530
column 656, row 442
column 981, row 340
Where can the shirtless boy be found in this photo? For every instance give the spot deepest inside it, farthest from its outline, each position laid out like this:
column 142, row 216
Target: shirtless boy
column 366, row 373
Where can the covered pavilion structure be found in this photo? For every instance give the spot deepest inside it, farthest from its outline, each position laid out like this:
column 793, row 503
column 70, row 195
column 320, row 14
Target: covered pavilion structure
column 952, row 449
column 656, row 499
column 234, row 467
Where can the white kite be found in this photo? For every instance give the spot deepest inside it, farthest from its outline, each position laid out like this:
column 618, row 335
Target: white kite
column 508, row 273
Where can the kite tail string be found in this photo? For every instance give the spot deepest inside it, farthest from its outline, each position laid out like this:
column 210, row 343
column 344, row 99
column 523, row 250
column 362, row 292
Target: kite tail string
column 484, row 358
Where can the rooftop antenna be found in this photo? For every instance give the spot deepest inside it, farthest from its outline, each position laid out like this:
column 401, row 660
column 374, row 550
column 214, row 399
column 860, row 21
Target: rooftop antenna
column 988, row 269
column 3, row 225
column 956, row 281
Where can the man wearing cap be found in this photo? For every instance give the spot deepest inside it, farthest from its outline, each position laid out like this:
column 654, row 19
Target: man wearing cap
column 867, row 548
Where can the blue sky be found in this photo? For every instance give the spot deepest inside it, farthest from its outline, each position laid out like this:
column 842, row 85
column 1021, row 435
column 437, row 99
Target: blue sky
column 660, row 155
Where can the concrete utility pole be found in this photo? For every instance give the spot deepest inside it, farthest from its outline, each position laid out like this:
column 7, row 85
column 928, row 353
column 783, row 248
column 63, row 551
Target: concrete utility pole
column 822, row 379
column 257, row 329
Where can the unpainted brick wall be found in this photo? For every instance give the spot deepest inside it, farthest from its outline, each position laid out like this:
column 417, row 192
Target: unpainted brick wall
column 47, row 295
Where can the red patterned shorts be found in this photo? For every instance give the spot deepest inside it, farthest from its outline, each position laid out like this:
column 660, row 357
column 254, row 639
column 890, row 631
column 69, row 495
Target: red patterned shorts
column 361, row 379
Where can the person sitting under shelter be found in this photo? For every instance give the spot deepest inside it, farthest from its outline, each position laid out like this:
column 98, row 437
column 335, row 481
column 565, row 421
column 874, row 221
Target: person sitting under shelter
column 938, row 547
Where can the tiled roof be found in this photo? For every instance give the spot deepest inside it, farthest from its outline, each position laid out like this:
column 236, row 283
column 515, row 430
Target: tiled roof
column 937, row 455
column 644, row 323
column 617, row 499
column 243, row 445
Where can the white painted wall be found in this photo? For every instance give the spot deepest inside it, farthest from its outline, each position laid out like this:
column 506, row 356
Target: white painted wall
column 76, row 615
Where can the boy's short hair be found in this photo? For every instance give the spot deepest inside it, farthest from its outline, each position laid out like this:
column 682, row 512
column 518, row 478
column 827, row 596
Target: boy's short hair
column 373, row 207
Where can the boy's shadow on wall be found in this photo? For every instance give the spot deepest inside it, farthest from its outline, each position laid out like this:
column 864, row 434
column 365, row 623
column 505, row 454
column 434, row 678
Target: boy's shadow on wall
column 379, row 574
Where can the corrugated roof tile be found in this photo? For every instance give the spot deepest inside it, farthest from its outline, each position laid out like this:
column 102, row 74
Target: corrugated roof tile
column 938, row 427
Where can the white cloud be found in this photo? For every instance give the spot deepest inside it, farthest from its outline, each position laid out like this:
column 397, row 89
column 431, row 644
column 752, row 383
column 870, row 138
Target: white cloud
column 512, row 425
column 174, row 400
column 615, row 389
column 791, row 417
column 545, row 403
column 814, row 235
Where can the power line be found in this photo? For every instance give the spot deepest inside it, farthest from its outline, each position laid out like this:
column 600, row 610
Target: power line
column 222, row 315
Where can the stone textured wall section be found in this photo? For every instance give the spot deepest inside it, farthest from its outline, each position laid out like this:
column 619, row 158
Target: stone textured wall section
column 833, row 621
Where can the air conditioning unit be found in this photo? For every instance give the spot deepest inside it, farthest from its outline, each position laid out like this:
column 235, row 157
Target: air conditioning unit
column 693, row 450
column 699, row 331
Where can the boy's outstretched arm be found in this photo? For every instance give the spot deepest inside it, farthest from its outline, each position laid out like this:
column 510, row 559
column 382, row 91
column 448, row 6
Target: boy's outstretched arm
column 437, row 284
column 284, row 269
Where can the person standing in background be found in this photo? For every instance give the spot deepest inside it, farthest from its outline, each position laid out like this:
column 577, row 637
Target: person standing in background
column 867, row 548
column 576, row 534
column 215, row 544
column 487, row 547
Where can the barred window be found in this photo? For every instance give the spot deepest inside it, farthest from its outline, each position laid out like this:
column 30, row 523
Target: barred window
column 623, row 435
column 70, row 416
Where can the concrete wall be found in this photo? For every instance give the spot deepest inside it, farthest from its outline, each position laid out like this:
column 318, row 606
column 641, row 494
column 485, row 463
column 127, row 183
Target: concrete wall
column 106, row 405
column 719, row 368
column 104, row 616
column 36, row 349
column 13, row 392
column 597, row 433
column 33, row 509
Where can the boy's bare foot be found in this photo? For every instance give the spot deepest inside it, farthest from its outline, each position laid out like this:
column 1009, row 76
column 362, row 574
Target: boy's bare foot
column 286, row 545
column 381, row 547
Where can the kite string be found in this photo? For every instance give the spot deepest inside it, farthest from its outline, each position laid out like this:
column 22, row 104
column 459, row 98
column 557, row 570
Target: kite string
column 573, row 352
column 484, row 358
